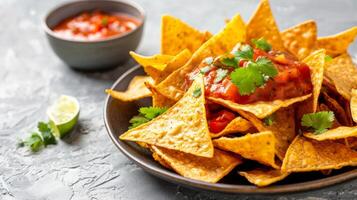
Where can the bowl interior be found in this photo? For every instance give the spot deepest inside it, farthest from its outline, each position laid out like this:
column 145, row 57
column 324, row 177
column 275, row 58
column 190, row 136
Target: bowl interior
column 73, row 8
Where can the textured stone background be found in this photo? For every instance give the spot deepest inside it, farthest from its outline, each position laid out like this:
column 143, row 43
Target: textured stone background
column 87, row 165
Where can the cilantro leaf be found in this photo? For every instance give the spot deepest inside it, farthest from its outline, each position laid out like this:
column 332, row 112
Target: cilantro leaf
column 46, row 133
column 319, row 122
column 35, row 142
column 262, row 44
column 104, row 21
column 221, row 74
column 269, row 120
column 328, row 58
column 151, row 112
column 246, row 53
column 197, row 92
column 247, row 79
column 137, row 121
column 230, row 62
column 266, row 67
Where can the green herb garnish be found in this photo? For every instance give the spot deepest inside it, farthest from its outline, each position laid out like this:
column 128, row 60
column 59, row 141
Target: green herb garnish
column 104, row 21
column 34, row 142
column 328, row 58
column 47, row 133
column 246, row 53
column 230, row 62
column 221, row 74
column 269, row 120
column 197, row 92
column 146, row 114
column 261, row 44
column 318, row 122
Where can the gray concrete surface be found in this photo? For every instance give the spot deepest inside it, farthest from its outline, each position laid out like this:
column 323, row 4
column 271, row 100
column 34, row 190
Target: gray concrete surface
column 87, row 165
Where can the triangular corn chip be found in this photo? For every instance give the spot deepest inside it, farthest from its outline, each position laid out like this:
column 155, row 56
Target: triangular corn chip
column 178, row 61
column 353, row 105
column 237, row 125
column 262, row 25
column 258, row 146
column 300, row 40
column 337, row 44
column 219, row 44
column 260, row 109
column 264, row 177
column 334, row 134
column 136, row 90
column 310, row 155
column 182, row 127
column 158, row 61
column 177, row 36
column 343, row 73
column 338, row 110
column 316, row 62
column 159, row 100
column 198, row 168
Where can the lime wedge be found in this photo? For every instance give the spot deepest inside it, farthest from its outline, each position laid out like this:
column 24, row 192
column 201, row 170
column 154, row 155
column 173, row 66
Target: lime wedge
column 63, row 115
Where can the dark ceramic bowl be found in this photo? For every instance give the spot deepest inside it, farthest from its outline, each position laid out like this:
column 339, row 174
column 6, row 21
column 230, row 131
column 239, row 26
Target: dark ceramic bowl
column 98, row 54
column 116, row 118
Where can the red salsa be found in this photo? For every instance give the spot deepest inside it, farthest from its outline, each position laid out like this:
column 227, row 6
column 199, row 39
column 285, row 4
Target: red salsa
column 218, row 117
column 95, row 25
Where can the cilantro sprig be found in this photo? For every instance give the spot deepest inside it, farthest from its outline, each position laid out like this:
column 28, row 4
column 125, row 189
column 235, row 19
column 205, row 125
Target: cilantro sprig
column 245, row 53
column 146, row 114
column 39, row 139
column 318, row 122
column 262, row 44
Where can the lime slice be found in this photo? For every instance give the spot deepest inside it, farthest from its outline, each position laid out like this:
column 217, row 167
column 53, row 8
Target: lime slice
column 63, row 115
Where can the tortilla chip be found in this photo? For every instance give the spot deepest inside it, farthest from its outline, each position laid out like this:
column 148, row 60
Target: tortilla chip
column 177, row 36
column 160, row 160
column 310, row 155
column 264, row 177
column 343, row 73
column 237, row 125
column 334, row 134
column 182, row 127
column 199, row 168
column 178, row 61
column 136, row 90
column 219, row 44
column 158, row 61
column 316, row 62
column 258, row 146
column 337, row 44
column 262, row 25
column 336, row 108
column 353, row 105
column 159, row 100
column 260, row 109
column 300, row 40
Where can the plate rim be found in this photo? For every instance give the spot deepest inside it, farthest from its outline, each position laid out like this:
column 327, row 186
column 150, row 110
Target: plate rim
column 175, row 178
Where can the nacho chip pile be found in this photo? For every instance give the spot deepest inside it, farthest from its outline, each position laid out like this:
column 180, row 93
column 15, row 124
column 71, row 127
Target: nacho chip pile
column 203, row 134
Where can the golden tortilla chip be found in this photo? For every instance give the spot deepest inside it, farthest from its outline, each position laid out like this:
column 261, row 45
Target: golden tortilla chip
column 262, row 25
column 258, row 146
column 237, row 125
column 136, row 90
column 158, row 61
column 160, row 160
column 300, row 40
column 219, row 44
column 334, row 134
column 178, row 61
column 310, row 155
column 260, row 109
column 338, row 110
column 343, row 73
column 316, row 62
column 177, row 36
column 182, row 127
column 159, row 100
column 337, row 44
column 264, row 177
column 199, row 168
column 353, row 105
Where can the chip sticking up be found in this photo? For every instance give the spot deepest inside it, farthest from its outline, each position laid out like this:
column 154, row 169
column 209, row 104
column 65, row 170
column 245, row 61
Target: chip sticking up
column 343, row 74
column 300, row 40
column 260, row 109
column 262, row 25
column 337, row 44
column 200, row 168
column 158, row 61
column 316, row 62
column 177, row 36
column 334, row 134
column 182, row 127
column 221, row 43
column 237, row 125
column 264, row 177
column 159, row 100
column 178, row 61
column 136, row 90
column 258, row 146
column 310, row 155
column 353, row 105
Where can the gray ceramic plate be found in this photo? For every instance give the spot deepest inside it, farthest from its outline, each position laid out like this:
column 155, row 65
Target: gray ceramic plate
column 116, row 118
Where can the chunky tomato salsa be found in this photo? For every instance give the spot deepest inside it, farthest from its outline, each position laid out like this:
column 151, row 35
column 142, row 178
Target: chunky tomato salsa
column 95, row 25
column 218, row 117
column 254, row 74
